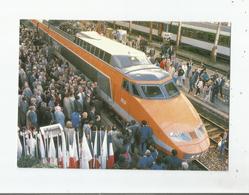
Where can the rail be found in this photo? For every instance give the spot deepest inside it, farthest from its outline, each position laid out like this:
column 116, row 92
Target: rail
column 200, row 165
column 214, row 159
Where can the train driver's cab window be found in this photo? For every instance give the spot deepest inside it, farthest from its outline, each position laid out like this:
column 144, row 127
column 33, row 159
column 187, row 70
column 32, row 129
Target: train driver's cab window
column 152, row 91
column 125, row 85
column 171, row 89
column 135, row 90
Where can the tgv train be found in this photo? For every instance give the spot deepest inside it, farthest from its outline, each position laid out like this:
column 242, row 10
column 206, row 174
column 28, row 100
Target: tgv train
column 134, row 88
column 200, row 36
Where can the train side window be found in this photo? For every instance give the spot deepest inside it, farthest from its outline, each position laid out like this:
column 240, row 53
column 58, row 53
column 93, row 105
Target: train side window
column 107, row 57
column 211, row 37
column 77, row 40
column 92, row 49
column 134, row 90
column 101, row 54
column 96, row 52
column 224, row 40
column 125, row 85
column 81, row 43
column 88, row 46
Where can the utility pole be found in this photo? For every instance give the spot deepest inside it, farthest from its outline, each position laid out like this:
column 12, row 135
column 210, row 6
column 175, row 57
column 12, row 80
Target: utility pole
column 130, row 23
column 150, row 32
column 178, row 34
column 216, row 41
column 160, row 28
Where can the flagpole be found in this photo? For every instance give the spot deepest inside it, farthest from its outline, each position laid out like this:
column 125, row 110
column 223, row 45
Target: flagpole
column 36, row 146
column 46, row 141
column 58, row 146
column 67, row 140
column 100, row 136
column 78, row 144
column 94, row 156
column 24, row 145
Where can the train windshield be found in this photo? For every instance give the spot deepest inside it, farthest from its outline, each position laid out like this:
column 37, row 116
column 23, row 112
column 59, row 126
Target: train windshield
column 122, row 61
column 164, row 91
column 152, row 91
column 171, row 89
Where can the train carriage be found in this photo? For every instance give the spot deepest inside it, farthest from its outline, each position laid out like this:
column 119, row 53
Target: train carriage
column 195, row 37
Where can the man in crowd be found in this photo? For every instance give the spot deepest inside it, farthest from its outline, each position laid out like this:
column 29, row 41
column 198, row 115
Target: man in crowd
column 145, row 136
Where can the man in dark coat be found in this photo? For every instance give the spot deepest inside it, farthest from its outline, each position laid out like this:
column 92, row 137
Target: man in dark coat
column 175, row 163
column 23, row 109
column 77, row 105
column 146, row 134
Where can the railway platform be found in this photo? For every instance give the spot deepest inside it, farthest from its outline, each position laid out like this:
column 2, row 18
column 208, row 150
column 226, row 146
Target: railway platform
column 219, row 104
column 219, row 66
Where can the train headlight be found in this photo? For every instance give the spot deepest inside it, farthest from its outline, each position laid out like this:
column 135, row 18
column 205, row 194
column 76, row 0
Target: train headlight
column 182, row 136
column 200, row 132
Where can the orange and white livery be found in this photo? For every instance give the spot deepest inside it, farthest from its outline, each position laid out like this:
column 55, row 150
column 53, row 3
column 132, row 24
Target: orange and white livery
column 135, row 88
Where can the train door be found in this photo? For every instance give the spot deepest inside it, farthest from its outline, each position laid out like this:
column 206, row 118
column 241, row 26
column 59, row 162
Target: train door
column 122, row 99
column 124, row 95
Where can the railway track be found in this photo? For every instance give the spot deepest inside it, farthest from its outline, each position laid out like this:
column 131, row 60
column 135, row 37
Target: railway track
column 214, row 130
column 198, row 165
column 212, row 158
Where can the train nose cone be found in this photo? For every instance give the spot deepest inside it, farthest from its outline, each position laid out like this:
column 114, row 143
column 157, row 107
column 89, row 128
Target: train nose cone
column 195, row 150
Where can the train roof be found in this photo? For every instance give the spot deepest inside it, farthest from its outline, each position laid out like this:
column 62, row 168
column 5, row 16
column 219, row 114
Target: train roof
column 140, row 72
column 207, row 27
column 145, row 73
column 104, row 43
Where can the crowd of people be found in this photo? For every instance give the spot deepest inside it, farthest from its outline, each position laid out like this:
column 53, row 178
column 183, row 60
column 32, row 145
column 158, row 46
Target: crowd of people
column 53, row 92
column 200, row 83
column 75, row 26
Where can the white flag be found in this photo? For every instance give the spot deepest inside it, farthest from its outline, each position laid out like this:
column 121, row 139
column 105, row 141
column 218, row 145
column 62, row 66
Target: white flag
column 86, row 155
column 104, row 152
column 60, row 157
column 19, row 148
column 75, row 153
column 31, row 143
column 95, row 147
column 52, row 152
column 41, row 147
column 64, row 150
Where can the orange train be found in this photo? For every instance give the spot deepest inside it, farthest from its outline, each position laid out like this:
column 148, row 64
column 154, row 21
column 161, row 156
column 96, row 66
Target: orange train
column 134, row 88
